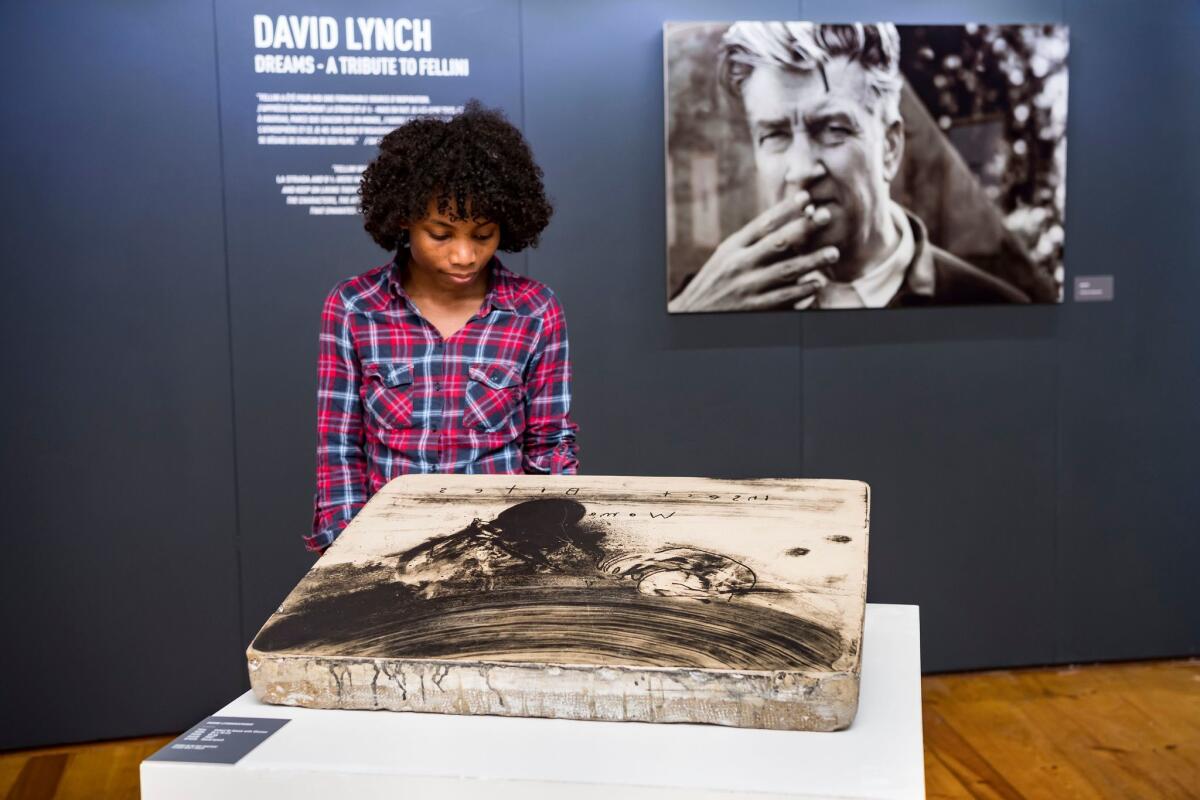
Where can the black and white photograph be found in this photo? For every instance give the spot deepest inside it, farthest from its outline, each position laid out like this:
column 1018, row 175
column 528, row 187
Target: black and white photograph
column 864, row 165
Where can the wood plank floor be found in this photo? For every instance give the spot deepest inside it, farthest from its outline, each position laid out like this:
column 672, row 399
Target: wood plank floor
column 99, row 770
column 1113, row 730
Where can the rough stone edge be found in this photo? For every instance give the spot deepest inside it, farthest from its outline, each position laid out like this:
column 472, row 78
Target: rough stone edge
column 777, row 700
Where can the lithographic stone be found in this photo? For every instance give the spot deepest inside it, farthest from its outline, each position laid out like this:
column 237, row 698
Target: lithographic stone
column 608, row 598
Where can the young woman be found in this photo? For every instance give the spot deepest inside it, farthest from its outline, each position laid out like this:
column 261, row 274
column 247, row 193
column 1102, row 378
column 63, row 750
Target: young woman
column 442, row 360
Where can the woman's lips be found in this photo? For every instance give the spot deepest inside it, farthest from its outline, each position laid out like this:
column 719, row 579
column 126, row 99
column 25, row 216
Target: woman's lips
column 461, row 277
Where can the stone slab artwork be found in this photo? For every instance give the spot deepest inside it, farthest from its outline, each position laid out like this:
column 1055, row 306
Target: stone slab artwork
column 603, row 598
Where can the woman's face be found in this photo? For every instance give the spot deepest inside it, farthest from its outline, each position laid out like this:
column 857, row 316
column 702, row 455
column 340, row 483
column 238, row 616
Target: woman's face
column 452, row 253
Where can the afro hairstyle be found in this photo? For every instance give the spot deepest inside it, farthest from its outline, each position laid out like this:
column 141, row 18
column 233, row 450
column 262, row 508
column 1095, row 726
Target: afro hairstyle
column 474, row 163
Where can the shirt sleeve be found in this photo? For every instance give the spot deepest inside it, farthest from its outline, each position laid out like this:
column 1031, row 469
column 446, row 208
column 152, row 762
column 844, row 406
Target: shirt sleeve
column 549, row 444
column 341, row 461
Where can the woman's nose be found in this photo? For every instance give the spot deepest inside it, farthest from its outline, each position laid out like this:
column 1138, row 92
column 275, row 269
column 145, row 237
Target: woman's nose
column 462, row 254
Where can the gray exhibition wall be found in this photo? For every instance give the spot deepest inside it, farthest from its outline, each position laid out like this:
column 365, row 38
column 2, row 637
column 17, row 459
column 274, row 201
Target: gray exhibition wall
column 1029, row 466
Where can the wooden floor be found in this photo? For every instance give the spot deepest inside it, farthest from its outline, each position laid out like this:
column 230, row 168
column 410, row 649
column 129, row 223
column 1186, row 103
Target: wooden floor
column 101, row 770
column 1123, row 730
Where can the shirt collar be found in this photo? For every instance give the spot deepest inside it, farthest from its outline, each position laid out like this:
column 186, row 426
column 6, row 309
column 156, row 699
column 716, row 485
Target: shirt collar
column 921, row 275
column 879, row 284
column 501, row 292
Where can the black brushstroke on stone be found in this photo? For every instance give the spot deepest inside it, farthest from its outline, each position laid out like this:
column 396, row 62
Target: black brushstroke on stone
column 615, row 625
column 536, row 536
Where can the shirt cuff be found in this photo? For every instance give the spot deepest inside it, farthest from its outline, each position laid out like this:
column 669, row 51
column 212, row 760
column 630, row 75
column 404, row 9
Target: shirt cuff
column 563, row 460
column 317, row 542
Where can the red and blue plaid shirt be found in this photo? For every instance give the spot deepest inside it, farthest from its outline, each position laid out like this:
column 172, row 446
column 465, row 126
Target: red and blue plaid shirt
column 395, row 397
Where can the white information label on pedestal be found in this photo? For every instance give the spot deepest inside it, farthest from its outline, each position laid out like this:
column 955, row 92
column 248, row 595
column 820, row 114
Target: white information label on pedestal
column 383, row 754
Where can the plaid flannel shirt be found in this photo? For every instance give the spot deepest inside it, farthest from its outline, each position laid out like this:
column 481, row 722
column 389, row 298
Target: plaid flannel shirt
column 394, row 397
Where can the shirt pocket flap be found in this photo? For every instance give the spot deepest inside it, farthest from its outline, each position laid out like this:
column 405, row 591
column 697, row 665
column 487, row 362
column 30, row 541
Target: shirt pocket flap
column 497, row 376
column 392, row 373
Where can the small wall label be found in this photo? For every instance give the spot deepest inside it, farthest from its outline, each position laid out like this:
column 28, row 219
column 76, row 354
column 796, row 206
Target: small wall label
column 1093, row 288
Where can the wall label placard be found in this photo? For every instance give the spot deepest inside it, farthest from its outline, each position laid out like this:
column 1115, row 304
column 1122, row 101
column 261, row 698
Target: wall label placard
column 220, row 740
column 1094, row 288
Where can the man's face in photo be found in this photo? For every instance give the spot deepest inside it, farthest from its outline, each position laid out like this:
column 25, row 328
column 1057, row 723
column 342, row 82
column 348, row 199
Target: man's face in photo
column 823, row 133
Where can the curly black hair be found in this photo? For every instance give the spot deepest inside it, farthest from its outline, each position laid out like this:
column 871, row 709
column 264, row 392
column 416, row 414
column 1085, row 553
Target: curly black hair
column 477, row 158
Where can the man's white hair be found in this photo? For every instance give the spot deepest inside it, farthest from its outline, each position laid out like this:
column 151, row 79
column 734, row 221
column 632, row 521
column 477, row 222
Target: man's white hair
column 808, row 46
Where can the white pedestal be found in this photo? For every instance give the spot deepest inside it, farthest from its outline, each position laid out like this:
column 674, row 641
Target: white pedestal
column 360, row 754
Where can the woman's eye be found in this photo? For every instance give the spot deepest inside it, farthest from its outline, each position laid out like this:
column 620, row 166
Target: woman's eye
column 483, row 237
column 439, row 237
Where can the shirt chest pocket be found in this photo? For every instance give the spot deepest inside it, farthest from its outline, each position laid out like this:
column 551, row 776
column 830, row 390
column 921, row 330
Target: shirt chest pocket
column 494, row 398
column 388, row 393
